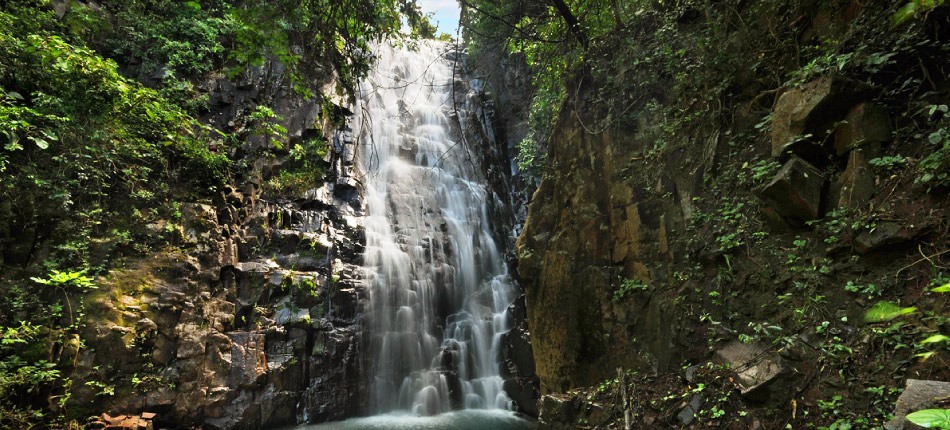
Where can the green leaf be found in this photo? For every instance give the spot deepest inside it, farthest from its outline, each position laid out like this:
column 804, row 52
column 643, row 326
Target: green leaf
column 886, row 311
column 945, row 288
column 907, row 12
column 13, row 141
column 40, row 142
column 931, row 418
column 935, row 338
column 49, row 135
column 935, row 137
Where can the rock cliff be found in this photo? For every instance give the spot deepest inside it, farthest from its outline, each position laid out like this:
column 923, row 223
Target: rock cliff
column 748, row 225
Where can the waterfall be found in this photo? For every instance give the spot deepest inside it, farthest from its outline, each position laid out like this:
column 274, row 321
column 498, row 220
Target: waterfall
column 437, row 280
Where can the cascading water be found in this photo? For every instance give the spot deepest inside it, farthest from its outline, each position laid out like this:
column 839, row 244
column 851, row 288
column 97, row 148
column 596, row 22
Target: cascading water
column 438, row 283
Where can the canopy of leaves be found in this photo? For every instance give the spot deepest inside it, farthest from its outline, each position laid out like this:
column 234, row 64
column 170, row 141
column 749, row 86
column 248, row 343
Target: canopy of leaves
column 188, row 39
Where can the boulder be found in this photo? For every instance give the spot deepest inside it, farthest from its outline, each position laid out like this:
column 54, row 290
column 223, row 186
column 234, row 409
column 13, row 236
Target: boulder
column 756, row 368
column 855, row 187
column 795, row 191
column 865, row 124
column 886, row 235
column 812, row 108
column 918, row 394
column 688, row 413
column 558, row 411
column 525, row 393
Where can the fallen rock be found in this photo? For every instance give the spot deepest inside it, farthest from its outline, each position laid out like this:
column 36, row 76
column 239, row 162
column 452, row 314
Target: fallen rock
column 865, row 124
column 795, row 191
column 688, row 413
column 856, row 185
column 886, row 234
column 558, row 411
column 812, row 108
column 918, row 394
column 525, row 393
column 755, row 366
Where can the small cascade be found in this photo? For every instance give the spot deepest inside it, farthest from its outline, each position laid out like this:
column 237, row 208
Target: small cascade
column 437, row 280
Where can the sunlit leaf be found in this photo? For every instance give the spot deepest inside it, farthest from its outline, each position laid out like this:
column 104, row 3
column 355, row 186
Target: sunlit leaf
column 945, row 288
column 935, row 338
column 40, row 142
column 931, row 418
column 886, row 311
column 907, row 12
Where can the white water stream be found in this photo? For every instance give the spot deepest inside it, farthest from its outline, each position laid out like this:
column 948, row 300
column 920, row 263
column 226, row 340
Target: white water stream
column 438, row 282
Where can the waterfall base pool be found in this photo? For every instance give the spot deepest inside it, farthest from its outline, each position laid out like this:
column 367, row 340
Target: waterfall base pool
column 459, row 420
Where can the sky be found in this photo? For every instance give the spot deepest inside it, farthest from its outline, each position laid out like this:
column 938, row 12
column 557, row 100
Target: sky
column 446, row 14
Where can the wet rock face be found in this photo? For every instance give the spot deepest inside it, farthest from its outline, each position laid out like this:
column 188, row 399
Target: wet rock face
column 587, row 228
column 518, row 369
column 246, row 342
column 253, row 319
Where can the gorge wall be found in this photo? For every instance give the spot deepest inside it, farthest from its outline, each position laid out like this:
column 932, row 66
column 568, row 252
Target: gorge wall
column 249, row 317
column 733, row 205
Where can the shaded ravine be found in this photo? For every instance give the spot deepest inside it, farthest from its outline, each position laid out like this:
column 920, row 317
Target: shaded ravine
column 437, row 281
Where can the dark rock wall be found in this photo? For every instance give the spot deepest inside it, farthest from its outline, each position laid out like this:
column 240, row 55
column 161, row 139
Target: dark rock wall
column 650, row 258
column 587, row 229
column 252, row 318
column 501, row 85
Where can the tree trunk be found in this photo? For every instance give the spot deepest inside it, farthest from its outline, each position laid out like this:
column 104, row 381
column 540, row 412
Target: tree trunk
column 572, row 23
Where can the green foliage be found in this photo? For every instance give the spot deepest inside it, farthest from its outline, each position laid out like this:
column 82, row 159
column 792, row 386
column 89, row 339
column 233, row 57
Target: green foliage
column 304, row 170
column 763, row 170
column 169, row 38
column 914, row 9
column 870, row 290
column 934, row 168
column 888, row 162
column 340, row 32
column 825, row 59
column 542, row 34
column 67, row 280
column 266, row 123
column 628, row 287
column 76, row 131
column 29, row 377
column 931, row 418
